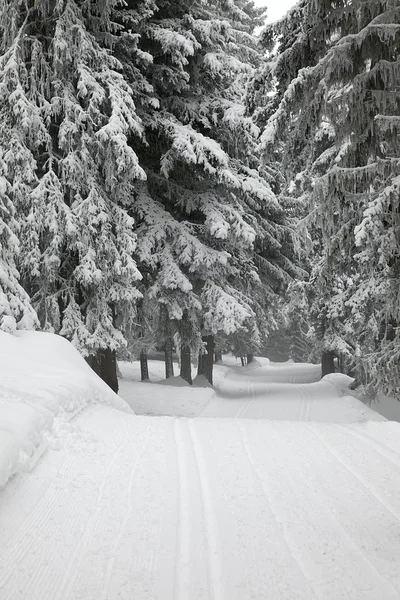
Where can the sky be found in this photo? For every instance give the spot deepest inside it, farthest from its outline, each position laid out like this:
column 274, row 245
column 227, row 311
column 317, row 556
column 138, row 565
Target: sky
column 276, row 8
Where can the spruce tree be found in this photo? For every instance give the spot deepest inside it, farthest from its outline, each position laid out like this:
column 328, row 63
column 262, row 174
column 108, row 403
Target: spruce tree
column 67, row 114
column 15, row 307
column 208, row 219
column 348, row 93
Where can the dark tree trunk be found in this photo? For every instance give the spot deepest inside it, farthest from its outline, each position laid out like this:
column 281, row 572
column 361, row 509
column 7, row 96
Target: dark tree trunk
column 186, row 364
column 104, row 363
column 206, row 361
column 200, row 365
column 218, row 355
column 169, row 363
column 328, row 362
column 144, row 366
column 250, row 358
column 242, row 361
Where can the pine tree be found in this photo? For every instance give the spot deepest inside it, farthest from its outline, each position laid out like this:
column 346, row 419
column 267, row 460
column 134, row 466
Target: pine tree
column 67, row 114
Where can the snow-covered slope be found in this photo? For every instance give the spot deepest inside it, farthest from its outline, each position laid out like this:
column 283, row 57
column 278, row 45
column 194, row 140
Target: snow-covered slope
column 42, row 377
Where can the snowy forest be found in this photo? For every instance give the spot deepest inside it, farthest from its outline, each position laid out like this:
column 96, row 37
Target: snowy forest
column 175, row 175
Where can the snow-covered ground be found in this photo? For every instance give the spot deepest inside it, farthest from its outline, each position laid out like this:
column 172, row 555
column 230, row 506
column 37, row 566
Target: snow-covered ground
column 136, row 507
column 261, row 390
column 43, row 382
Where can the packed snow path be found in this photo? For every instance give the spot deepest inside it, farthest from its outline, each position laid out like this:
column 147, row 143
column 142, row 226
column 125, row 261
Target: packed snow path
column 278, row 391
column 187, row 509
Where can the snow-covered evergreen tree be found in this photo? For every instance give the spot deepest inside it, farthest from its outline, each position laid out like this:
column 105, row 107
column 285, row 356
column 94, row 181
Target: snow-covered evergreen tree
column 15, row 307
column 348, row 95
column 208, row 218
column 67, row 114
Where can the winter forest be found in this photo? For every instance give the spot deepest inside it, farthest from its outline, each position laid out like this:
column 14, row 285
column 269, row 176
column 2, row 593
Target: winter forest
column 175, row 175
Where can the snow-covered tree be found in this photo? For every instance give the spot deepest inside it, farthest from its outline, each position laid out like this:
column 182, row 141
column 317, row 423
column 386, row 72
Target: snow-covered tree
column 15, row 307
column 348, row 95
column 67, row 114
column 207, row 217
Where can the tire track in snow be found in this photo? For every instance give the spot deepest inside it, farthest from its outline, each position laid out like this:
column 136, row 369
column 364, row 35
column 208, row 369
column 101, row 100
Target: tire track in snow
column 281, row 526
column 214, row 567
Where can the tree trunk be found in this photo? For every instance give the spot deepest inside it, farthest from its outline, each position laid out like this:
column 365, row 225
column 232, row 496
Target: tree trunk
column 218, row 355
column 250, row 358
column 200, row 365
column 206, row 362
column 104, row 363
column 144, row 366
column 242, row 361
column 169, row 363
column 327, row 362
column 186, row 364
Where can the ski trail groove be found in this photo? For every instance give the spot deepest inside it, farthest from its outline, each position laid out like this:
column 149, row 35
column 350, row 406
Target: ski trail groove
column 279, row 523
column 380, row 447
column 69, row 578
column 216, row 589
column 182, row 579
column 357, row 476
column 117, row 541
column 37, row 519
column 246, row 403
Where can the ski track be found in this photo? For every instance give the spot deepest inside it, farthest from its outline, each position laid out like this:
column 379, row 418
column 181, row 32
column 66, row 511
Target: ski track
column 239, row 508
column 266, row 494
column 215, row 578
column 346, row 464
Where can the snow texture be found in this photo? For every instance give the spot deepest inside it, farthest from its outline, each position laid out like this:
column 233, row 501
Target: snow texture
column 164, row 508
column 44, row 382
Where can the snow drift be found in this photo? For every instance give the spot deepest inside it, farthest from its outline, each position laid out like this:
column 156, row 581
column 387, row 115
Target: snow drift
column 42, row 378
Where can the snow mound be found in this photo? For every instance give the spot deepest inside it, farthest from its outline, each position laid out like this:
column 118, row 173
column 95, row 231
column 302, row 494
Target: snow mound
column 201, row 381
column 254, row 364
column 42, row 378
column 341, row 381
column 177, row 381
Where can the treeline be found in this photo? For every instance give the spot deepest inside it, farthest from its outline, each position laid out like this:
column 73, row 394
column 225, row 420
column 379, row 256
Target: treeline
column 134, row 212
column 169, row 180
column 328, row 103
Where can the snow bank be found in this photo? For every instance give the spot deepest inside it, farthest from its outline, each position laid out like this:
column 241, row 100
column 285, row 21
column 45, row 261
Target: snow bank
column 42, row 377
column 340, row 381
column 201, row 381
column 177, row 381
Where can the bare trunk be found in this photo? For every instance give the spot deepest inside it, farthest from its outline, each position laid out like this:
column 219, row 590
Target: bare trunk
column 144, row 366
column 206, row 361
column 218, row 355
column 169, row 363
column 186, row 364
column 242, row 361
column 200, row 366
column 104, row 363
column 327, row 362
